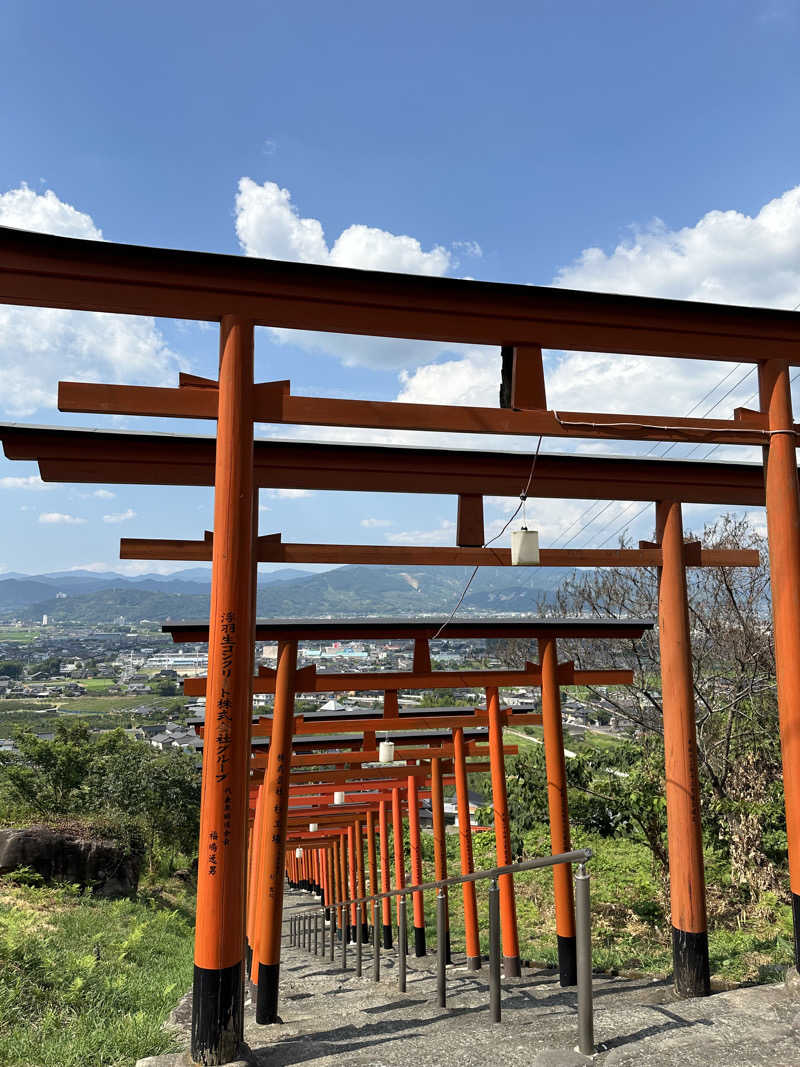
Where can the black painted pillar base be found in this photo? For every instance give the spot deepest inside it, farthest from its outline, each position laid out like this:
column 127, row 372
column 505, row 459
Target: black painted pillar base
column 473, row 963
column 267, row 999
column 217, row 1018
column 353, row 931
column 511, row 967
column 690, row 963
column 796, row 924
column 567, row 961
column 365, row 933
column 248, row 955
column 419, row 941
column 327, row 915
column 387, row 935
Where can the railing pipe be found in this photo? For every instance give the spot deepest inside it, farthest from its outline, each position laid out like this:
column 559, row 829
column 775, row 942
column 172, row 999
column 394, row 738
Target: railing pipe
column 441, row 948
column 583, row 932
column 402, row 944
column 494, row 952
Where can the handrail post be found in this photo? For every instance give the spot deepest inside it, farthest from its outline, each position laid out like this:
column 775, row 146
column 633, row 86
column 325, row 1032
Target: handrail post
column 291, row 929
column 494, row 951
column 324, row 936
column 441, row 947
column 359, row 933
column 583, row 923
column 376, row 944
column 316, row 933
column 345, row 936
column 401, row 943
column 332, row 949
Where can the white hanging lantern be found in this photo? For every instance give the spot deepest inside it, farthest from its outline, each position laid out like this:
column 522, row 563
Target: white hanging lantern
column 298, row 853
column 313, row 827
column 338, row 798
column 386, row 752
column 525, row 548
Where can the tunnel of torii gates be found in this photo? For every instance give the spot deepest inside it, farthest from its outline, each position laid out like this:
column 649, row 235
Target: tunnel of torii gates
column 321, row 730
column 240, row 293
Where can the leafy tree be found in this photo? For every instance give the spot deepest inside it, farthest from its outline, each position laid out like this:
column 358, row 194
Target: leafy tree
column 11, row 668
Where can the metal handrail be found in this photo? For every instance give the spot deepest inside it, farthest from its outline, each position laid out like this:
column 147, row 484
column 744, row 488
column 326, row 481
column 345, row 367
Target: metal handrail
column 300, row 932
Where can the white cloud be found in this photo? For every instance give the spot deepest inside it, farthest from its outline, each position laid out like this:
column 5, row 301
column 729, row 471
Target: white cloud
column 32, row 481
column 40, row 345
column 132, row 568
column 58, row 518
column 727, row 257
column 104, row 494
column 374, row 524
column 288, row 494
column 443, row 534
column 269, row 225
column 120, row 516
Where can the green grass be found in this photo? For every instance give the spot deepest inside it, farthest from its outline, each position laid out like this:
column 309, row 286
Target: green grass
column 87, row 982
column 630, row 929
column 20, row 635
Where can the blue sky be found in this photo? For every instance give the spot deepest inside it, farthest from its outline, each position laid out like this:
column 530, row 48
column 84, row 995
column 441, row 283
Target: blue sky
column 629, row 147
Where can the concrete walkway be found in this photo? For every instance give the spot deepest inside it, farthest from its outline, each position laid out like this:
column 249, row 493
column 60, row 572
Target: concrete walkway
column 330, row 1017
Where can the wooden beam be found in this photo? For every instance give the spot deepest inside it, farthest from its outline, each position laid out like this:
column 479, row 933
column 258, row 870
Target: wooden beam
column 274, row 551
column 41, row 270
column 274, row 404
column 469, row 521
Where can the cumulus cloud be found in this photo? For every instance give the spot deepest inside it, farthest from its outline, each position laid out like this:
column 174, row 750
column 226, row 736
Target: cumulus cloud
column 374, row 524
column 726, row 257
column 58, row 518
column 269, row 225
column 120, row 516
column 104, row 494
column 288, row 494
column 443, row 534
column 31, row 481
column 40, row 345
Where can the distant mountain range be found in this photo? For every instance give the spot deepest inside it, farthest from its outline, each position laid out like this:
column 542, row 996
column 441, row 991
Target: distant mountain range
column 93, row 598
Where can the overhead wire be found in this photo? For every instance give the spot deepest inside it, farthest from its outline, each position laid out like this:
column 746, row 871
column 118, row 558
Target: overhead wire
column 521, row 505
column 712, row 448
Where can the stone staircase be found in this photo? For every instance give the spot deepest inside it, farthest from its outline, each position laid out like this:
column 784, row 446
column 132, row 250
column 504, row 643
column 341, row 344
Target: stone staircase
column 331, row 1017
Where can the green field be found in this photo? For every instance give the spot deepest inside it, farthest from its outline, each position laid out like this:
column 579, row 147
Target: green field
column 19, row 635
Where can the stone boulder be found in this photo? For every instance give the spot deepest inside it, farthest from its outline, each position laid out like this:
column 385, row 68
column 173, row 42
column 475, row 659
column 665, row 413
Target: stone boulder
column 103, row 866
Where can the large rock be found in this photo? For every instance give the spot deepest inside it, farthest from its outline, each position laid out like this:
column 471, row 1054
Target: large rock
column 103, row 866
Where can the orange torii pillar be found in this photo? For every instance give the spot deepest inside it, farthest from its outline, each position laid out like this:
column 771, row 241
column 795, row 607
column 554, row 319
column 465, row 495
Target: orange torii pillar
column 218, row 985
column 273, row 853
column 684, row 829
column 783, row 529
column 399, row 852
column 416, row 865
column 252, row 891
column 330, row 892
column 440, row 841
column 473, row 948
column 352, row 888
column 502, row 836
column 386, row 903
column 558, row 807
column 341, row 918
column 372, row 861
column 361, row 886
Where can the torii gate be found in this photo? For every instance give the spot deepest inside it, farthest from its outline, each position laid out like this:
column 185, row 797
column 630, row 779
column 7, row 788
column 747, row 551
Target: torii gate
column 240, row 293
column 550, row 675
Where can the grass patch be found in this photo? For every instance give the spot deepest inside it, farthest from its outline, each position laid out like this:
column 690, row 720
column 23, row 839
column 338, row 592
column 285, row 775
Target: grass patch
column 90, row 982
column 630, row 929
